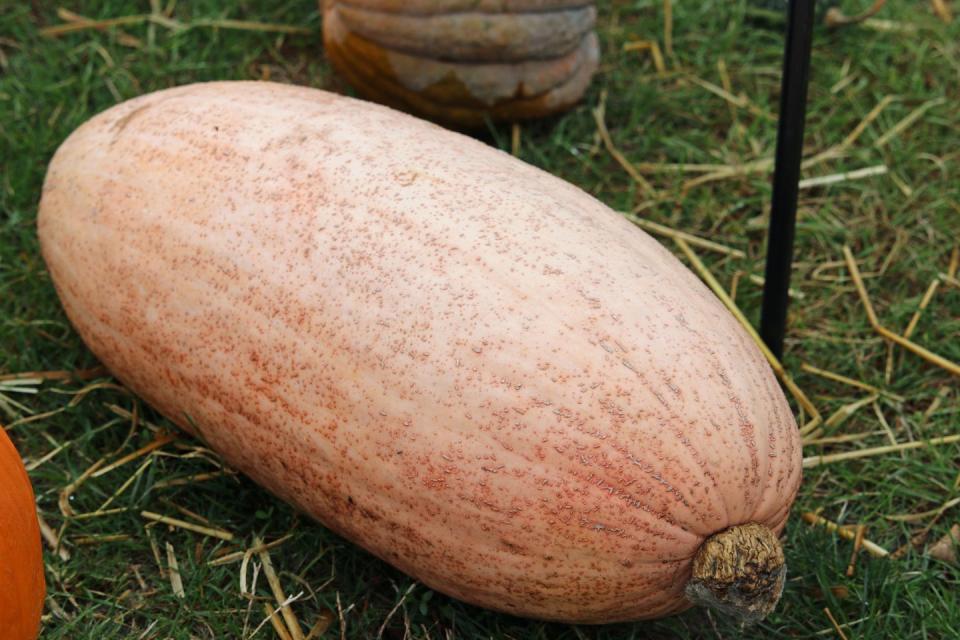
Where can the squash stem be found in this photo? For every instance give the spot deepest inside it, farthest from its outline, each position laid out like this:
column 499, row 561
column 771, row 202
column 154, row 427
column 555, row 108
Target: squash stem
column 740, row 571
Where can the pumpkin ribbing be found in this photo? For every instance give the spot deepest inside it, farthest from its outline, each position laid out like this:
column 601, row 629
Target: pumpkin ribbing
column 462, row 66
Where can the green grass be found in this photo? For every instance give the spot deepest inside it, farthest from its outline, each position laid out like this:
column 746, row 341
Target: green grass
column 115, row 589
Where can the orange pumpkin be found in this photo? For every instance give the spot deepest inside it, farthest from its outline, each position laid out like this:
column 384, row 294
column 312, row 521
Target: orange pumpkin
column 22, row 586
column 461, row 64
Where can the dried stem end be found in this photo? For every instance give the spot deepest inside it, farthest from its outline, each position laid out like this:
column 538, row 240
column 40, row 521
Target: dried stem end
column 740, row 571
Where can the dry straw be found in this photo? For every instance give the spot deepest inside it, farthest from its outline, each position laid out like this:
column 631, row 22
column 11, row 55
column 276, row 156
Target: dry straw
column 599, row 115
column 836, row 377
column 74, row 22
column 189, row 526
column 833, row 622
column 289, row 617
column 655, row 53
column 816, row 461
column 924, row 353
column 845, row 532
column 176, row 582
column 669, row 232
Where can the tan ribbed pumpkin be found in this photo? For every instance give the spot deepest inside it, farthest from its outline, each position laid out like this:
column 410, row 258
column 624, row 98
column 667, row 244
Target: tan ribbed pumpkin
column 460, row 62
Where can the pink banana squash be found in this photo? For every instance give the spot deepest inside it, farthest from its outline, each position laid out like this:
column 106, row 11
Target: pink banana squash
column 467, row 366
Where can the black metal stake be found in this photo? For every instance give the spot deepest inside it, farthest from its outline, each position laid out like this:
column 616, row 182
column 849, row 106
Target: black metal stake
column 786, row 174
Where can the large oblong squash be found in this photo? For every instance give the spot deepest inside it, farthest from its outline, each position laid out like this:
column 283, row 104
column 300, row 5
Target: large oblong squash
column 469, row 367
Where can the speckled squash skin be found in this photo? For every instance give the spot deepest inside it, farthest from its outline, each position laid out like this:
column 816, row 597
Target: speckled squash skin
column 22, row 585
column 471, row 368
column 460, row 62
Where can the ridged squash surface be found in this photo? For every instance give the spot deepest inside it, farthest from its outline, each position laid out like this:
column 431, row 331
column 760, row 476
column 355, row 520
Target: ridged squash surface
column 463, row 62
column 469, row 367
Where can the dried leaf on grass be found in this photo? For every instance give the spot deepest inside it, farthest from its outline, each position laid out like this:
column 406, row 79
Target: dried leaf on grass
column 945, row 549
column 942, row 9
column 837, row 18
column 324, row 620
